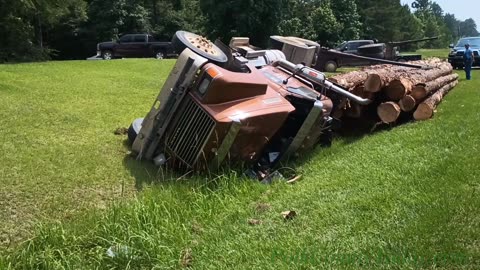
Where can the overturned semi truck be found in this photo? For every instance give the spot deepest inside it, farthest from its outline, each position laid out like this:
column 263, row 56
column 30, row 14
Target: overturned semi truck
column 222, row 106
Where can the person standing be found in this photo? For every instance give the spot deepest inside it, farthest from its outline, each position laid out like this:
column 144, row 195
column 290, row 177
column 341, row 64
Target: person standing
column 468, row 61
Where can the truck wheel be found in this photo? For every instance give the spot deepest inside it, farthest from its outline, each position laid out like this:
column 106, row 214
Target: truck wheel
column 107, row 55
column 199, row 45
column 402, row 60
column 331, row 66
column 134, row 129
column 159, row 55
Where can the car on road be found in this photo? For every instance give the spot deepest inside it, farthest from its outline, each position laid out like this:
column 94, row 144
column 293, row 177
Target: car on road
column 455, row 57
column 135, row 45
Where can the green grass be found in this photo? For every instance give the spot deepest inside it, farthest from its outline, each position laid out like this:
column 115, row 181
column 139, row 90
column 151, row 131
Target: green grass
column 403, row 198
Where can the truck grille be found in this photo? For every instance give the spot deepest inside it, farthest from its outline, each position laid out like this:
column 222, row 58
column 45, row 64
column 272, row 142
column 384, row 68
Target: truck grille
column 189, row 133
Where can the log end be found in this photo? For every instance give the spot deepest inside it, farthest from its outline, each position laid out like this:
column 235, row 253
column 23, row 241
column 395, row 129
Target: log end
column 388, row 112
column 396, row 90
column 419, row 92
column 423, row 112
column 373, row 83
column 407, row 103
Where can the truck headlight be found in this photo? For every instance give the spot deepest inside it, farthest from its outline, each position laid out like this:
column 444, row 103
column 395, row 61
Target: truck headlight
column 210, row 74
column 202, row 89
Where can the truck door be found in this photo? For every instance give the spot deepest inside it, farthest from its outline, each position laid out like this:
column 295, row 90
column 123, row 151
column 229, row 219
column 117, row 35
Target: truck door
column 123, row 47
column 351, row 48
column 139, row 46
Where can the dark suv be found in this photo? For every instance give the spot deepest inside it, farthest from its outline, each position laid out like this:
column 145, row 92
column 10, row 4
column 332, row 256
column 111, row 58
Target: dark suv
column 455, row 58
column 135, row 45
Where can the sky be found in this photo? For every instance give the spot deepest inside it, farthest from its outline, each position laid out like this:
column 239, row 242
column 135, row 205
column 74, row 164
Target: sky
column 463, row 9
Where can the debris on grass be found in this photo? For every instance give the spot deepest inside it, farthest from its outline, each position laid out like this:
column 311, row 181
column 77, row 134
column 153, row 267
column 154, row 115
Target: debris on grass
column 288, row 215
column 294, row 179
column 118, row 251
column 254, row 222
column 121, row 131
column 197, row 228
column 262, row 207
column 187, row 259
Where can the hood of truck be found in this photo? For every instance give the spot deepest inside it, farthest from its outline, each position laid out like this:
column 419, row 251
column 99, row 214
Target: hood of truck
column 108, row 44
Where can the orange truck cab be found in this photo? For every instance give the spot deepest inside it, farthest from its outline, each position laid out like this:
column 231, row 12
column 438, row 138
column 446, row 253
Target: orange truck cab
column 220, row 106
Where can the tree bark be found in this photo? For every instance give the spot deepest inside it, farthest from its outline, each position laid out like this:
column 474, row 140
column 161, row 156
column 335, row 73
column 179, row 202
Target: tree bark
column 421, row 91
column 388, row 112
column 349, row 80
column 426, row 109
column 380, row 78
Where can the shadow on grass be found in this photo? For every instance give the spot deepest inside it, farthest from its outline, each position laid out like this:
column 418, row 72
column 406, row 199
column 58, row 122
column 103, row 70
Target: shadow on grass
column 147, row 174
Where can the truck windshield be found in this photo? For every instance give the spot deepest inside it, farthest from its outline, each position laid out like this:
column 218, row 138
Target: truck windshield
column 339, row 47
column 474, row 42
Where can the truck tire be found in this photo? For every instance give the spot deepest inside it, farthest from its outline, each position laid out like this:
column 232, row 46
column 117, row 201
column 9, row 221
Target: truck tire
column 199, row 45
column 134, row 129
column 159, row 55
column 330, row 66
column 107, row 55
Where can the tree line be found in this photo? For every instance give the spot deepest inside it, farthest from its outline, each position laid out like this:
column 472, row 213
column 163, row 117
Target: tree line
column 33, row 30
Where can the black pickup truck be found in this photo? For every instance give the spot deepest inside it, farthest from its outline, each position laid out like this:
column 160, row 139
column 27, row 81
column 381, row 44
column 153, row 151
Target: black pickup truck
column 135, row 45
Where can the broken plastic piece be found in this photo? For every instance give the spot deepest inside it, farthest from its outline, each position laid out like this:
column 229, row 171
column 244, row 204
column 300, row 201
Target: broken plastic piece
column 160, row 160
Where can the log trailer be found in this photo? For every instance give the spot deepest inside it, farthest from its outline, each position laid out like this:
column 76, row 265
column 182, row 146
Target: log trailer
column 248, row 107
column 299, row 50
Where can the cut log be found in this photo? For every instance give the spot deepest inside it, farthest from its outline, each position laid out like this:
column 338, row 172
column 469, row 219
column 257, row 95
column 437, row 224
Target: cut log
column 388, row 112
column 398, row 88
column 407, row 103
column 349, row 80
column 379, row 78
column 373, row 83
column 421, row 91
column 425, row 109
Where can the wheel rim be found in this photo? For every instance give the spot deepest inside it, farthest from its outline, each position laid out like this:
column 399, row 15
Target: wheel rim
column 159, row 55
column 201, row 46
column 107, row 55
column 330, row 67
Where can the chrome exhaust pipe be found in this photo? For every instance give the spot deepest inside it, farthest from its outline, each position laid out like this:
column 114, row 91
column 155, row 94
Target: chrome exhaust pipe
column 319, row 78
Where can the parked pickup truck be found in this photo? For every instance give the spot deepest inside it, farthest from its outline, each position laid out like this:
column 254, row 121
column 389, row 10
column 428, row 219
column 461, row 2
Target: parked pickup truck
column 455, row 57
column 344, row 54
column 135, row 45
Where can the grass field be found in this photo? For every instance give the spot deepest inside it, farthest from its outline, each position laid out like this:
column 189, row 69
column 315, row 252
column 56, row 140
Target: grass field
column 427, row 53
column 403, row 198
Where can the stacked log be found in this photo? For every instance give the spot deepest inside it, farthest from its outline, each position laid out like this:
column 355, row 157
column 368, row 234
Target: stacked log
column 425, row 109
column 397, row 90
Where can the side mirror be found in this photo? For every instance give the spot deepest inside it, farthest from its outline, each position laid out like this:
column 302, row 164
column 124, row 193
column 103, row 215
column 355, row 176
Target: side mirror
column 451, row 46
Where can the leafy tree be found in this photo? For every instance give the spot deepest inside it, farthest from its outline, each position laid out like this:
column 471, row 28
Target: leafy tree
column 381, row 19
column 70, row 29
column 256, row 19
column 468, row 28
column 321, row 20
column 346, row 14
column 296, row 19
column 326, row 25
column 453, row 26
